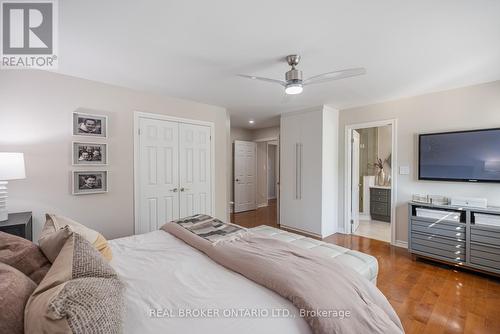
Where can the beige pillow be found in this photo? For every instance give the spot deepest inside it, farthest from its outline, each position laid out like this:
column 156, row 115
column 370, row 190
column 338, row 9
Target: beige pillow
column 15, row 289
column 23, row 255
column 52, row 245
column 81, row 293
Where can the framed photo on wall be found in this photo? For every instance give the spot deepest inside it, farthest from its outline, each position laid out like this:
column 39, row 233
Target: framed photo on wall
column 90, row 125
column 90, row 182
column 90, row 154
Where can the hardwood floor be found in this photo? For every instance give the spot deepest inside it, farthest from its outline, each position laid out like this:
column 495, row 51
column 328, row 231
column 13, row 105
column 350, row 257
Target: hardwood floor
column 261, row 216
column 428, row 297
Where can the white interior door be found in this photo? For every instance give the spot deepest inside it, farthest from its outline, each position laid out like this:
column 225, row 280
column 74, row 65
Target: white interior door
column 355, row 182
column 195, row 170
column 244, row 175
column 158, row 173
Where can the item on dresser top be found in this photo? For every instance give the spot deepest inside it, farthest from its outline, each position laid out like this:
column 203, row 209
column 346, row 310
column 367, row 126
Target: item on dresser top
column 81, row 293
column 23, row 255
column 470, row 202
column 485, row 219
column 421, row 198
column 438, row 200
column 15, row 288
column 438, row 214
column 52, row 243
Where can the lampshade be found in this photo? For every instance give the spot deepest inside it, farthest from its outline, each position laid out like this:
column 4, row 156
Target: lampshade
column 12, row 166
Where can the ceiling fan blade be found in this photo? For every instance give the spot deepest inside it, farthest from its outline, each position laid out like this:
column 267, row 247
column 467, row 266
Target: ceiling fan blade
column 335, row 75
column 253, row 77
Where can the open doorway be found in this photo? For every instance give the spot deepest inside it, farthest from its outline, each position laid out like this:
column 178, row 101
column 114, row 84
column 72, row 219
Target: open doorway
column 371, row 204
column 255, row 177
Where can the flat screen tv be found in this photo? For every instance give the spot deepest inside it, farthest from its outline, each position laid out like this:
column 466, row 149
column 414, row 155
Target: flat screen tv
column 469, row 156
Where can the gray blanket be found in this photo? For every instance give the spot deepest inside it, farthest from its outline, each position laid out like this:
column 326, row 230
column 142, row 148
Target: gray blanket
column 319, row 287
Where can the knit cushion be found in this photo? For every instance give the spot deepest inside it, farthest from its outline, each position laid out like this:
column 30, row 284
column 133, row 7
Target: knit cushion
column 80, row 294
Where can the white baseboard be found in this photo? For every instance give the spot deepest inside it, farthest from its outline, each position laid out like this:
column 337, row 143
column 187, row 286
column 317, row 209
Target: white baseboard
column 262, row 205
column 402, row 244
column 274, row 197
column 293, row 229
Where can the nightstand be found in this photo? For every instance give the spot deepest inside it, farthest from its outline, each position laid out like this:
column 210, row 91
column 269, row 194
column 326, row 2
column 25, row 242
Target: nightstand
column 19, row 224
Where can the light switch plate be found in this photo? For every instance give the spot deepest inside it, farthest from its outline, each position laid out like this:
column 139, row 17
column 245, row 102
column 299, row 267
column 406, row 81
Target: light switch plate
column 404, row 170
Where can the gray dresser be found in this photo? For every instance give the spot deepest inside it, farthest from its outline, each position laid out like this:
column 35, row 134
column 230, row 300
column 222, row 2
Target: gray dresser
column 463, row 243
column 380, row 204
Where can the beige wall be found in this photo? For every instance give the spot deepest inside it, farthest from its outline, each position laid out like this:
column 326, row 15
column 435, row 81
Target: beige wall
column 384, row 146
column 241, row 134
column 266, row 133
column 465, row 108
column 261, row 189
column 35, row 118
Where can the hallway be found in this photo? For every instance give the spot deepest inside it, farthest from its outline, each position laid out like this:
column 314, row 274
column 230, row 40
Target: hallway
column 261, row 216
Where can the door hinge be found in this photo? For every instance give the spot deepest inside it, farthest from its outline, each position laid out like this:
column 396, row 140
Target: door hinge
column 139, row 132
column 352, row 221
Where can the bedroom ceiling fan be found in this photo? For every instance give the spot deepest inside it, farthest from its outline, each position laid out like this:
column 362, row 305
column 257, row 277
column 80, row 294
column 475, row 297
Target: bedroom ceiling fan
column 294, row 84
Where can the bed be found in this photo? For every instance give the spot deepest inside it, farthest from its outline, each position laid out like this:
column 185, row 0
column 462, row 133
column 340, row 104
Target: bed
column 165, row 279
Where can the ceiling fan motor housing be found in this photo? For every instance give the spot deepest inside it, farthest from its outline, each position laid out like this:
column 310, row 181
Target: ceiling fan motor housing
column 293, row 76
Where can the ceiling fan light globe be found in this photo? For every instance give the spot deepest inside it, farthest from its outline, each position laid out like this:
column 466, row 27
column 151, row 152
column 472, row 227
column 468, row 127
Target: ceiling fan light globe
column 294, row 89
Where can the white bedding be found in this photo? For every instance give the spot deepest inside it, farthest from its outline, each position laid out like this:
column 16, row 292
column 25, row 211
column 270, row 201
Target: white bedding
column 161, row 272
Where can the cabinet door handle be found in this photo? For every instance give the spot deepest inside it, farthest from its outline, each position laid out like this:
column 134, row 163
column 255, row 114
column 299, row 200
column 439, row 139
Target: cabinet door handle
column 298, row 171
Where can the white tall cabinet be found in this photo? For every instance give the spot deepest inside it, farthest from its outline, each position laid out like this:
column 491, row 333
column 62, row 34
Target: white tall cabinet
column 309, row 171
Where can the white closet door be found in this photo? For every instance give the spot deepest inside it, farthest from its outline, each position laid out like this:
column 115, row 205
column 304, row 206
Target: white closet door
column 245, row 179
column 158, row 173
column 195, row 170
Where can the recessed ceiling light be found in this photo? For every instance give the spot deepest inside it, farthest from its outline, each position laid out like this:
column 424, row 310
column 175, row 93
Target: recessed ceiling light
column 251, row 121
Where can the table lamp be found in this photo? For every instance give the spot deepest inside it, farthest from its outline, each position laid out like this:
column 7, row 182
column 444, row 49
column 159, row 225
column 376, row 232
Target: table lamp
column 11, row 168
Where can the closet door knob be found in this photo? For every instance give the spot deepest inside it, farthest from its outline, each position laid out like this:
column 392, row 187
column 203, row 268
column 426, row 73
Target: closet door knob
column 174, row 190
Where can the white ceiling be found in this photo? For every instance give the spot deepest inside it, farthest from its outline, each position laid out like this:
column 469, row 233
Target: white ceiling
column 193, row 49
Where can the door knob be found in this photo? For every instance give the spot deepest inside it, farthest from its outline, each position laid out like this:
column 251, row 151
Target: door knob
column 237, row 180
column 184, row 189
column 174, row 190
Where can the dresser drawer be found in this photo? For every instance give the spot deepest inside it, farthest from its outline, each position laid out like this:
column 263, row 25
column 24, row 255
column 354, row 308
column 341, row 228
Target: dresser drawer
column 485, row 235
column 380, row 192
column 438, row 242
column 377, row 208
column 380, row 198
column 484, row 259
column 443, row 229
column 453, row 250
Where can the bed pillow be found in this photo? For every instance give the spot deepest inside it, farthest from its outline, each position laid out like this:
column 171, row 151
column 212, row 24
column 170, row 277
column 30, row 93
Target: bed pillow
column 15, row 289
column 54, row 223
column 23, row 255
column 81, row 293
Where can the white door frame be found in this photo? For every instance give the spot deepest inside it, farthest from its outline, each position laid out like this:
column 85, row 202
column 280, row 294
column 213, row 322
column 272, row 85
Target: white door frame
column 347, row 172
column 137, row 116
column 234, row 175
